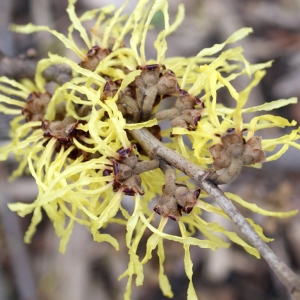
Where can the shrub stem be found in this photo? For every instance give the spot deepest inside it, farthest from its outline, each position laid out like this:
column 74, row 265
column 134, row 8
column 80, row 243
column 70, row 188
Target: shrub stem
column 156, row 149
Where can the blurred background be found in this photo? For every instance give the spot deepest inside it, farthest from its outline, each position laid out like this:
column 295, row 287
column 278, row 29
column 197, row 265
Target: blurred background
column 89, row 270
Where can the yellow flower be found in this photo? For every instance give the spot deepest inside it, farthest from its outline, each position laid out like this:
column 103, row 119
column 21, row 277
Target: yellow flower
column 78, row 146
column 217, row 119
column 23, row 139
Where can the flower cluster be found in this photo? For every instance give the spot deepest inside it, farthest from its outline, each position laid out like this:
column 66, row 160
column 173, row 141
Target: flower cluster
column 76, row 141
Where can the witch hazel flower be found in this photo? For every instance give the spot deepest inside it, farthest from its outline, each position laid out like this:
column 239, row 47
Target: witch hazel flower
column 79, row 146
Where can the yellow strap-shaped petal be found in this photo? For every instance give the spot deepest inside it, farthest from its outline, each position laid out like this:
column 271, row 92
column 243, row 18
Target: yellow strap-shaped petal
column 188, row 265
column 259, row 210
column 163, row 280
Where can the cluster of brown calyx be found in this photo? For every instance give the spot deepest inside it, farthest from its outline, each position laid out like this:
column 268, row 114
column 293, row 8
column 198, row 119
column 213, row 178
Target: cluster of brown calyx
column 126, row 102
column 184, row 113
column 35, row 106
column 234, row 152
column 126, row 169
column 152, row 84
column 176, row 197
column 64, row 131
column 137, row 101
column 63, row 128
column 93, row 58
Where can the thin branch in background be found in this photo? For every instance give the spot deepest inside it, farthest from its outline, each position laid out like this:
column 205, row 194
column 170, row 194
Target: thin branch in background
column 6, row 37
column 289, row 279
column 24, row 66
column 18, row 67
column 19, row 258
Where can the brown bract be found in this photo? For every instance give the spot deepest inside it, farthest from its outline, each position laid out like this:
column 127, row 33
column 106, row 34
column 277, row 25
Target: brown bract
column 183, row 113
column 234, row 152
column 136, row 101
column 171, row 204
column 126, row 102
column 186, row 199
column 64, row 131
column 176, row 197
column 93, row 57
column 155, row 81
column 126, row 169
column 252, row 151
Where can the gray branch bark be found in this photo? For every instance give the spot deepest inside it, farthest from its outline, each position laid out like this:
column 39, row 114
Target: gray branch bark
column 24, row 66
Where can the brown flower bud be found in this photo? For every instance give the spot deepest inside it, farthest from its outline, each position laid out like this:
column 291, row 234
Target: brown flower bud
column 182, row 114
column 126, row 169
column 185, row 198
column 233, row 154
column 252, row 151
column 127, row 103
column 185, row 101
column 64, row 131
column 178, row 122
column 220, row 156
column 191, row 117
column 58, row 129
column 233, row 142
column 123, row 172
column 130, row 161
column 124, row 152
column 110, row 89
column 129, row 108
column 132, row 185
column 93, row 57
column 167, row 83
column 36, row 106
column 167, row 207
column 149, row 75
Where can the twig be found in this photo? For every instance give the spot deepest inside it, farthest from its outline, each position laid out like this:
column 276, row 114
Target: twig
column 289, row 279
column 6, row 37
column 17, row 67
column 24, row 66
column 20, row 261
column 58, row 73
column 274, row 14
column 155, row 148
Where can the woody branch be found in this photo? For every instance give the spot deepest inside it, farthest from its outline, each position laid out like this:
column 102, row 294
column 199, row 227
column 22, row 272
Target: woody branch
column 156, row 149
